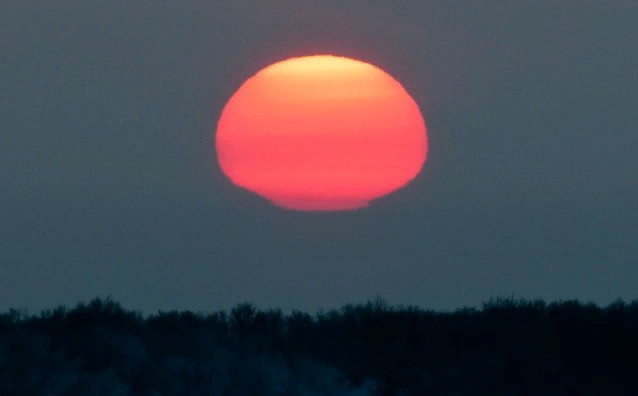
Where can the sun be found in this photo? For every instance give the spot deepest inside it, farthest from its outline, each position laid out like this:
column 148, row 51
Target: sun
column 321, row 133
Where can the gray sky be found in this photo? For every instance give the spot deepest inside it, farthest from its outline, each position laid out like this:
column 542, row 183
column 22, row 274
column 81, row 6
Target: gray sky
column 109, row 182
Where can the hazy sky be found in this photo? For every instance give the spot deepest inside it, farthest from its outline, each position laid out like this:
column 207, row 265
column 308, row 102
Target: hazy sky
column 109, row 182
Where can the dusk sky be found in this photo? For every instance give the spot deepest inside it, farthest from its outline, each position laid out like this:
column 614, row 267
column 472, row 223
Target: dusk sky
column 109, row 182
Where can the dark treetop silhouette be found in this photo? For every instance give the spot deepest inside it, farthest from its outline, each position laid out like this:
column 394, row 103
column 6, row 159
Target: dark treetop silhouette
column 509, row 347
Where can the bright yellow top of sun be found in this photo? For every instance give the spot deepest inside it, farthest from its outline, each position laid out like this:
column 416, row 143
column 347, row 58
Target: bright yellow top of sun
column 319, row 63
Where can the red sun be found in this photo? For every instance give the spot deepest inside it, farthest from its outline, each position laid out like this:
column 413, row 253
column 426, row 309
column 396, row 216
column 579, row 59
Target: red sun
column 321, row 133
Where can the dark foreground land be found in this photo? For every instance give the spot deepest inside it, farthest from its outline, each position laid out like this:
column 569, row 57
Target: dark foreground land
column 509, row 347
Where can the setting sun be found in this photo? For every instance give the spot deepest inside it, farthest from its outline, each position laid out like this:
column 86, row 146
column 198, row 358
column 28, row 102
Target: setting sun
column 321, row 133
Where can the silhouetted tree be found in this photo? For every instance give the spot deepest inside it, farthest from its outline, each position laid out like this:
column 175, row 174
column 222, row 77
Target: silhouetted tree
column 511, row 346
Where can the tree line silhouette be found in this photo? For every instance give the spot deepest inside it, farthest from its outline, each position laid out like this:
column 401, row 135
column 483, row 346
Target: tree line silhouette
column 509, row 346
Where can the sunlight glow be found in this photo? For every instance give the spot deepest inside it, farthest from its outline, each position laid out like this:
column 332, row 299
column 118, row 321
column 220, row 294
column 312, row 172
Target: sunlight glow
column 321, row 133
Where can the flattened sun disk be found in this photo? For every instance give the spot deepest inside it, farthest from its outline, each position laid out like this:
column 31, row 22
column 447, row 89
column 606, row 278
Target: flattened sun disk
column 321, row 133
